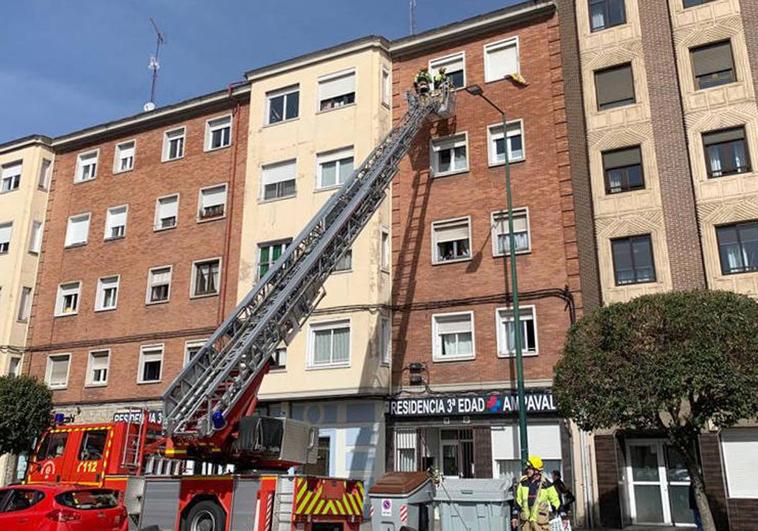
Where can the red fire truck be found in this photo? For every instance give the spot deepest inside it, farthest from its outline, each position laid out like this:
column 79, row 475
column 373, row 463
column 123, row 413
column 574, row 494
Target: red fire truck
column 209, row 409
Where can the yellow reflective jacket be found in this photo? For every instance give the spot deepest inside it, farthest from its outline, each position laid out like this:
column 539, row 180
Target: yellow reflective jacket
column 546, row 499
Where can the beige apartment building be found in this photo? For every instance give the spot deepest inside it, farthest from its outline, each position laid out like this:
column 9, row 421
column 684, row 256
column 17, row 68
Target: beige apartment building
column 25, row 170
column 313, row 119
column 668, row 200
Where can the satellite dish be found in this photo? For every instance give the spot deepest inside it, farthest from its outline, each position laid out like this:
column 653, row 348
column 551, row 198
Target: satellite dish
column 149, row 106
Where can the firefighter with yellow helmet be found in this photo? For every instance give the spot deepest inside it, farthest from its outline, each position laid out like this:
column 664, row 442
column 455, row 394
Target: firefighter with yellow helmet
column 536, row 497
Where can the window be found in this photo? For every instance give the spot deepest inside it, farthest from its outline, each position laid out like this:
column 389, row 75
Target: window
column 67, row 302
column 97, row 367
column 336, row 91
column 14, row 366
column 738, row 247
column 5, row 237
column 268, row 254
column 691, row 3
column 334, row 167
column 279, row 359
column 35, row 237
column 205, row 277
column 633, row 260
column 385, row 250
column 623, row 170
column 386, row 87
column 614, row 87
column 322, row 466
column 506, row 332
column 91, row 448
column 11, row 177
column 739, row 446
column 56, row 375
column 713, row 65
column 515, row 142
column 191, row 348
column 150, row 364
column 124, row 156
column 453, row 336
column 385, row 340
column 329, row 344
column 158, row 284
column 278, row 180
column 107, row 293
column 24, row 305
column 455, row 68
column 500, row 242
column 43, row 182
column 500, row 59
column 115, row 222
column 451, row 240
column 173, row 144
column 218, row 133
column 212, row 202
column 166, row 212
column 86, row 167
column 283, row 104
column 726, row 152
column 77, row 230
column 449, row 155
column 345, row 263
column 606, row 14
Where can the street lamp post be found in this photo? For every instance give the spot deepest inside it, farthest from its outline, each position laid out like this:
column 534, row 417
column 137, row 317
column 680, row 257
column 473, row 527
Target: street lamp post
column 476, row 90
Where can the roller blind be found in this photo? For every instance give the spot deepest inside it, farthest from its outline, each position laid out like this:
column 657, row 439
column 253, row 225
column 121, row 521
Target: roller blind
column 614, row 84
column 712, row 58
column 213, row 196
column 728, row 135
column 450, row 64
column 544, row 440
column 448, row 232
column 167, row 207
column 126, row 150
column 502, row 59
column 621, row 158
column 5, row 233
column 336, row 86
column 740, row 450
column 116, row 217
column 276, row 173
column 455, row 324
column 160, row 276
column 78, row 228
column 450, row 143
column 519, row 222
column 58, row 370
column 11, row 170
column 99, row 360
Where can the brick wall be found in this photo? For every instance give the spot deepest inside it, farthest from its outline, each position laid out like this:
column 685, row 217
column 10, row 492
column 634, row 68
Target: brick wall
column 608, row 476
column 134, row 323
column 710, row 459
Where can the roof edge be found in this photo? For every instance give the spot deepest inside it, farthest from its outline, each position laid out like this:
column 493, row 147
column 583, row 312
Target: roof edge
column 25, row 141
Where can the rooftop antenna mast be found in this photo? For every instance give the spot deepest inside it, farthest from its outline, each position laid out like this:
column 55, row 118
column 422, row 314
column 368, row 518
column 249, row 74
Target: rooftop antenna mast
column 412, row 6
column 154, row 64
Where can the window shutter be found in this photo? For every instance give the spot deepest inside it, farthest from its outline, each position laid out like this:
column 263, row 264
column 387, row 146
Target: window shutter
column 728, row 135
column 213, row 196
column 452, row 64
column 126, row 150
column 621, row 158
column 502, row 59
column 614, row 84
column 336, row 86
column 161, row 276
column 117, row 217
column 5, row 233
column 11, row 170
column 167, row 207
column 712, row 58
column 519, row 222
column 451, row 232
column 99, row 360
column 276, row 173
column 58, row 370
column 78, row 230
column 459, row 324
column 740, row 449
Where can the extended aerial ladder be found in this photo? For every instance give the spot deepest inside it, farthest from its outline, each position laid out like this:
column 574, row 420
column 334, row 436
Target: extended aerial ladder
column 218, row 387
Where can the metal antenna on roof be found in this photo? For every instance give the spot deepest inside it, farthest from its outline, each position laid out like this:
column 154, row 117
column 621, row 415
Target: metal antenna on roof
column 154, row 65
column 412, row 6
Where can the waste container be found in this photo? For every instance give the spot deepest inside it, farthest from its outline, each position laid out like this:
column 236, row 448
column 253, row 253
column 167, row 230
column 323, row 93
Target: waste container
column 401, row 499
column 473, row 504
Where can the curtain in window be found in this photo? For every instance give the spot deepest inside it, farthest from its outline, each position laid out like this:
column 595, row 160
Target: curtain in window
column 341, row 338
column 322, row 347
column 749, row 236
column 714, row 159
column 738, row 155
column 598, row 18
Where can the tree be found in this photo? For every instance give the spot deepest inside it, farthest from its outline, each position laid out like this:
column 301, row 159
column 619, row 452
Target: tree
column 677, row 363
column 26, row 407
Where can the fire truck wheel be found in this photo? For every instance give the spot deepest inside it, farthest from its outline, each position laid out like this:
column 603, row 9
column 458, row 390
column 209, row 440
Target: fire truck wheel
column 206, row 515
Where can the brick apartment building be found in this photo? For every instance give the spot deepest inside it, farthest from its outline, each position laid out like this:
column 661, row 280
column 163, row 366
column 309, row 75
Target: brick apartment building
column 451, row 290
column 141, row 252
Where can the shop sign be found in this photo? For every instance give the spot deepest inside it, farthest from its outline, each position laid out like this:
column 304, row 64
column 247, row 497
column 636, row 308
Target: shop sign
column 471, row 404
column 135, row 417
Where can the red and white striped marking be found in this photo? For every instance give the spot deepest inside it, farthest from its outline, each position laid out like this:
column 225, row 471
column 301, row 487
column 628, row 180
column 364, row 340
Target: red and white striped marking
column 404, row 514
column 371, row 512
column 269, row 511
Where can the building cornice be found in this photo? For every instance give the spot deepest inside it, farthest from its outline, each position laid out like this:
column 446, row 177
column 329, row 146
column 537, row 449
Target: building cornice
column 24, row 142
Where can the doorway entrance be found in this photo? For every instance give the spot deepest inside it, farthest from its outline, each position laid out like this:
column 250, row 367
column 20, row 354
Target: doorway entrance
column 457, row 450
column 658, row 484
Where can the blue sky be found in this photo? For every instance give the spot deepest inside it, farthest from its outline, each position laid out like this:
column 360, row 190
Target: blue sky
column 70, row 64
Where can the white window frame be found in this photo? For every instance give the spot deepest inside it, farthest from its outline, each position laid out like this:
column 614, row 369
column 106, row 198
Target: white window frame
column 278, row 367
column 192, row 343
column 80, row 168
column 334, row 155
column 209, row 129
column 156, row 219
column 166, row 143
column 150, row 284
column 106, row 232
column 494, row 46
column 49, row 370
column 10, row 237
column 736, row 445
column 45, row 172
column 198, row 215
column 89, row 380
column 141, row 366
column 437, row 355
column 435, row 259
column 14, row 371
column 117, row 152
column 434, row 65
column 385, row 249
column 193, row 279
column 495, row 233
column 15, row 177
column 59, row 298
column 492, row 137
column 35, row 237
column 527, row 312
column 435, row 148
column 328, row 325
column 24, row 304
column 270, row 245
column 284, row 92
column 385, row 80
column 99, row 295
column 335, row 75
column 262, row 188
column 385, row 341
column 88, row 215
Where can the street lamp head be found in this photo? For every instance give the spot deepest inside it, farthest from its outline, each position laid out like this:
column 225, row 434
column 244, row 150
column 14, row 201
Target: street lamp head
column 474, row 90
